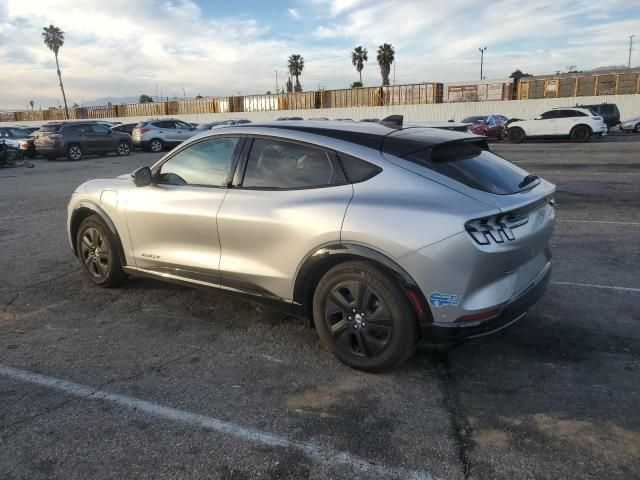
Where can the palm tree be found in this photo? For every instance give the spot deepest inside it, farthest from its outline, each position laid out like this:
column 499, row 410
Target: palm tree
column 386, row 56
column 54, row 39
column 296, row 65
column 358, row 57
column 31, row 104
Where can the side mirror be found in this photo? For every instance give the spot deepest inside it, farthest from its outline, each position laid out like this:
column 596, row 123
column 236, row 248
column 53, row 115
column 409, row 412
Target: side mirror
column 142, row 177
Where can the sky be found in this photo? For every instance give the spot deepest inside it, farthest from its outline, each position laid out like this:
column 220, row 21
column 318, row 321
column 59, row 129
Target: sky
column 124, row 48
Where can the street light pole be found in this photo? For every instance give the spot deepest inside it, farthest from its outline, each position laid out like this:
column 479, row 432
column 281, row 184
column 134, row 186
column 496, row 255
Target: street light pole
column 630, row 48
column 482, row 50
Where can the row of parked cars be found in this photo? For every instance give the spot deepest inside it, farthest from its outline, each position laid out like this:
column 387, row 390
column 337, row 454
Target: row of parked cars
column 74, row 139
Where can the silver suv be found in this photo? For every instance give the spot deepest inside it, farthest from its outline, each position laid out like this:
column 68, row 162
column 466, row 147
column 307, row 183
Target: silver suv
column 156, row 135
column 379, row 236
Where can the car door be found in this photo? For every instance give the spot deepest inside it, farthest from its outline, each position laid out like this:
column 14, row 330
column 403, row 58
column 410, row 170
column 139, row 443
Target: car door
column 172, row 222
column 183, row 130
column 493, row 130
column 102, row 139
column 167, row 131
column 544, row 124
column 291, row 199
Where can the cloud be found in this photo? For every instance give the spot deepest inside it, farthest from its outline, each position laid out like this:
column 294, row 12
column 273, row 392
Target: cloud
column 294, row 13
column 122, row 48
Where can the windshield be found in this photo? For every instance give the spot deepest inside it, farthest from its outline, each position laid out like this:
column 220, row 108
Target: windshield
column 473, row 119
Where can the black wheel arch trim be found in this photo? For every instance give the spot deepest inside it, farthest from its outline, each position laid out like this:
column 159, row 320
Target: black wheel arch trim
column 81, row 211
column 326, row 257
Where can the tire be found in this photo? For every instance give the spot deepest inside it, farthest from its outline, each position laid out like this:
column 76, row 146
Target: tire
column 156, row 145
column 74, row 152
column 364, row 318
column 580, row 133
column 637, row 128
column 98, row 253
column 516, row 135
column 123, row 149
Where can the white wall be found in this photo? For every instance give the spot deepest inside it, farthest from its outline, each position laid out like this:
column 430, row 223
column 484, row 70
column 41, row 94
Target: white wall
column 629, row 106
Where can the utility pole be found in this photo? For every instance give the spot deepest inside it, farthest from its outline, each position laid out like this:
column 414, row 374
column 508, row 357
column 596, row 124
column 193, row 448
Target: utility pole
column 394, row 73
column 157, row 98
column 276, row 82
column 482, row 50
column 184, row 95
column 630, row 49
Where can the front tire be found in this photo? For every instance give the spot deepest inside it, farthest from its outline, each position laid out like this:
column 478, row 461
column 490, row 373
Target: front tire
column 637, row 128
column 364, row 317
column 123, row 149
column 98, row 253
column 516, row 135
column 580, row 134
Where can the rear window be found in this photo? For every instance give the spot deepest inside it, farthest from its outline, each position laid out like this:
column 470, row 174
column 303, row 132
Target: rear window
column 472, row 165
column 50, row 128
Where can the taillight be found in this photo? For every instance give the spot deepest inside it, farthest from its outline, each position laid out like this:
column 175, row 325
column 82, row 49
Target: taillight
column 142, row 131
column 496, row 228
column 597, row 118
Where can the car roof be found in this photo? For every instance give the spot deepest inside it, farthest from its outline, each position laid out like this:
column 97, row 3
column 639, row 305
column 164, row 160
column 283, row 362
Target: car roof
column 366, row 134
column 580, row 109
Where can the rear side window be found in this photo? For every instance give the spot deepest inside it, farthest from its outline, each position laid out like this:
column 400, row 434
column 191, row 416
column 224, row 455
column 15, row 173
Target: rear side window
column 471, row 165
column 164, row 124
column 281, row 165
column 97, row 128
column 358, row 170
column 549, row 114
column 50, row 128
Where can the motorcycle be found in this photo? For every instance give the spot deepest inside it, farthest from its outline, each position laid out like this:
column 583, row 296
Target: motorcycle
column 10, row 155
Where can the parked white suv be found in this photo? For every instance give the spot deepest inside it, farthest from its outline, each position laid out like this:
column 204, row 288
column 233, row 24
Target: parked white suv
column 155, row 135
column 579, row 124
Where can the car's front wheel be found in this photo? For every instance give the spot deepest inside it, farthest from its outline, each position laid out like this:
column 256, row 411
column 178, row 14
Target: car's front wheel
column 637, row 128
column 98, row 253
column 516, row 135
column 123, row 149
column 364, row 317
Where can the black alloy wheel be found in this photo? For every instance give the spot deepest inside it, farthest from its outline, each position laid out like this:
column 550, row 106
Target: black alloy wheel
column 98, row 254
column 364, row 317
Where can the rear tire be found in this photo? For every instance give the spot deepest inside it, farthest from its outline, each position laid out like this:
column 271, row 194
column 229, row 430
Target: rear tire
column 516, row 135
column 580, row 133
column 364, row 317
column 98, row 253
column 156, row 145
column 74, row 152
column 123, row 149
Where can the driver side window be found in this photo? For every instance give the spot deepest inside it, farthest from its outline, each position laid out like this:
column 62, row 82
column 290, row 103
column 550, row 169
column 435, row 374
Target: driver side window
column 206, row 163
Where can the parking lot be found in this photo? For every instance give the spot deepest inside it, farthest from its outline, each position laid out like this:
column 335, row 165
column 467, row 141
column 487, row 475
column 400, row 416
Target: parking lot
column 156, row 381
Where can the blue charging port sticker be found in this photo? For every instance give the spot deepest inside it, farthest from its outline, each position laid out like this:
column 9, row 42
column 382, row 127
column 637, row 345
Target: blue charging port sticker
column 438, row 299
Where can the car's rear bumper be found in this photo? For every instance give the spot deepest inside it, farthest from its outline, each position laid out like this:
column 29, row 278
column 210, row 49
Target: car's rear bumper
column 514, row 310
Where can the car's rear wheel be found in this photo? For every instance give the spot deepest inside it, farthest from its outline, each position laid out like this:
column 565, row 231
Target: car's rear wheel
column 155, row 145
column 364, row 318
column 581, row 133
column 74, row 152
column 516, row 135
column 98, row 253
column 123, row 149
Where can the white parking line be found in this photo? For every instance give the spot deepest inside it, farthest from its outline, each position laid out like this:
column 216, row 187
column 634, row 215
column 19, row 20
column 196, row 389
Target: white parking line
column 600, row 221
column 606, row 287
column 318, row 453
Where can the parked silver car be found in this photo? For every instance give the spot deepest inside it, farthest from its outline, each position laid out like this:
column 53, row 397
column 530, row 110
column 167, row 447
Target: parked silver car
column 156, row 135
column 378, row 235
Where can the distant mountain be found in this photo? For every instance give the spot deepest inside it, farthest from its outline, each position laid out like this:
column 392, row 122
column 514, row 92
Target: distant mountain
column 611, row 67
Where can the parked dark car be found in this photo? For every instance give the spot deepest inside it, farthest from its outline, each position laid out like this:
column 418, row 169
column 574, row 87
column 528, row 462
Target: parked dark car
column 491, row 126
column 608, row 111
column 75, row 139
column 125, row 128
